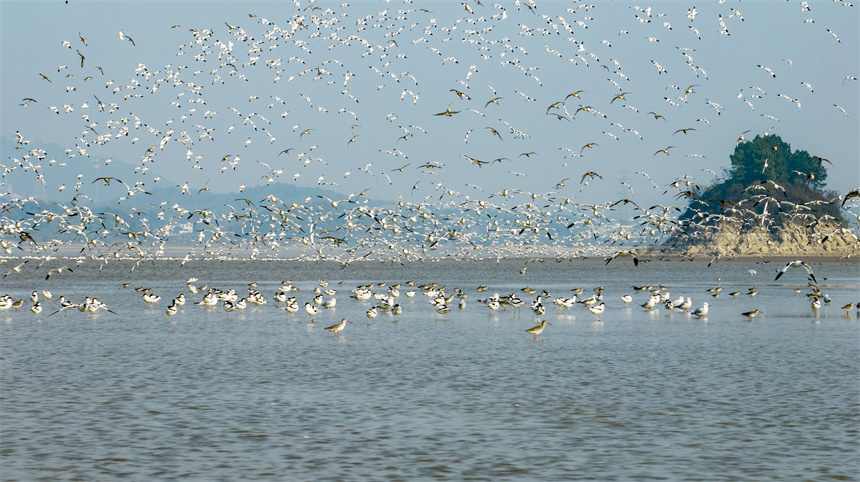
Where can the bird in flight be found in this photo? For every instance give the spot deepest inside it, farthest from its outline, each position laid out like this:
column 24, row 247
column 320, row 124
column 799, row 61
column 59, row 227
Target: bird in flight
column 448, row 112
column 478, row 162
column 619, row 96
column 493, row 101
column 590, row 145
column 460, row 94
column 796, row 264
column 590, row 175
column 624, row 254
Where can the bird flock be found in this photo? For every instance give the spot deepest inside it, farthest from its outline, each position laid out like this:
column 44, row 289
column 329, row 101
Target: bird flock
column 469, row 130
column 391, row 299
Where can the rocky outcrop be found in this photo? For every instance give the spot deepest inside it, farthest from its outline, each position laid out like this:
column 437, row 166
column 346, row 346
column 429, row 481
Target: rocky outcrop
column 728, row 240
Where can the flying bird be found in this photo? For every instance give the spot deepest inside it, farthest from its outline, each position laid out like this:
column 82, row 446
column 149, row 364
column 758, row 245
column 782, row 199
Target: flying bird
column 682, row 130
column 624, row 254
column 796, row 264
column 448, row 112
column 590, row 175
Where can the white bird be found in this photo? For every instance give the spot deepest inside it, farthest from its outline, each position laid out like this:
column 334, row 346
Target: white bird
column 652, row 301
column 280, row 297
column 64, row 305
column 703, row 311
column 597, row 309
column 686, row 305
column 796, row 264
column 816, row 303
column 209, row 299
column 151, row 298
column 623, row 254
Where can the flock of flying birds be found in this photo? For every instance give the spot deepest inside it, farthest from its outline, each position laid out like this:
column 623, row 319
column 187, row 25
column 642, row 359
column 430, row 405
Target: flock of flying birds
column 397, row 102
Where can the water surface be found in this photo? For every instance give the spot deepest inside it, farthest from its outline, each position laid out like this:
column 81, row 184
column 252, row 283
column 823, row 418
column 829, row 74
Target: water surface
column 255, row 394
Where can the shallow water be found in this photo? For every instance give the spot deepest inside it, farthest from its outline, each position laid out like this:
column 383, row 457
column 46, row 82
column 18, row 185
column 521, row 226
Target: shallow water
column 260, row 393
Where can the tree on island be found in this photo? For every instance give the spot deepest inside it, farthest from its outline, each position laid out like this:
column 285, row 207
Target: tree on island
column 768, row 186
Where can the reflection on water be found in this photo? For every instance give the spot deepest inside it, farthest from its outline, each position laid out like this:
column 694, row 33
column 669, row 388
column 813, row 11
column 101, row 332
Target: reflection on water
column 260, row 393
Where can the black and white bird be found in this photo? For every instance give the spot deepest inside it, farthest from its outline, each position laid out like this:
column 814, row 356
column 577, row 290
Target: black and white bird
column 623, row 254
column 796, row 264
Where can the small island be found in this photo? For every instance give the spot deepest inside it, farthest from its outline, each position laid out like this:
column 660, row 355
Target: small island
column 771, row 202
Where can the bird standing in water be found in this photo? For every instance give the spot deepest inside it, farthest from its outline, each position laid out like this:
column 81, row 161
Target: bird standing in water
column 536, row 330
column 336, row 329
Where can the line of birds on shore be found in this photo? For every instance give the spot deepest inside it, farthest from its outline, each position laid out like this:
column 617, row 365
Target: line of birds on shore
column 384, row 297
column 89, row 305
column 461, row 219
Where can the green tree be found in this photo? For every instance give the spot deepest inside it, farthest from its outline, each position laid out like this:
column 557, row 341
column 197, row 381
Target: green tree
column 769, row 182
column 769, row 157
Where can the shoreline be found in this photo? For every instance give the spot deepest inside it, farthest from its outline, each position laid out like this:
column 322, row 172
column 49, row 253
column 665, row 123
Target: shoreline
column 645, row 258
column 746, row 259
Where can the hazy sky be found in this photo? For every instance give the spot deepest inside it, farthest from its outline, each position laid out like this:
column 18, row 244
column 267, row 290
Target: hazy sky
column 207, row 104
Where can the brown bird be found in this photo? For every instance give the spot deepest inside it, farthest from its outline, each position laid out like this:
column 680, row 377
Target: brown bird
column 683, row 130
column 536, row 330
column 588, row 146
column 336, row 329
column 494, row 131
column 493, row 101
column 448, row 112
column 849, row 195
column 751, row 314
column 619, row 96
column 591, row 175
column 462, row 95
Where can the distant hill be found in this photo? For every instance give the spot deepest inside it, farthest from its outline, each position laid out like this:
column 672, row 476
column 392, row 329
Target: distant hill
column 150, row 211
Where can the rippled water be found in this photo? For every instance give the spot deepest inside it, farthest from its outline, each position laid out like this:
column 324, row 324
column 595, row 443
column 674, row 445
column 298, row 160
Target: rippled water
column 467, row 395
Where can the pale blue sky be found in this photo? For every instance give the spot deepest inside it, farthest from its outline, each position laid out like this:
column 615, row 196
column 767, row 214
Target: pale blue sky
column 401, row 68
